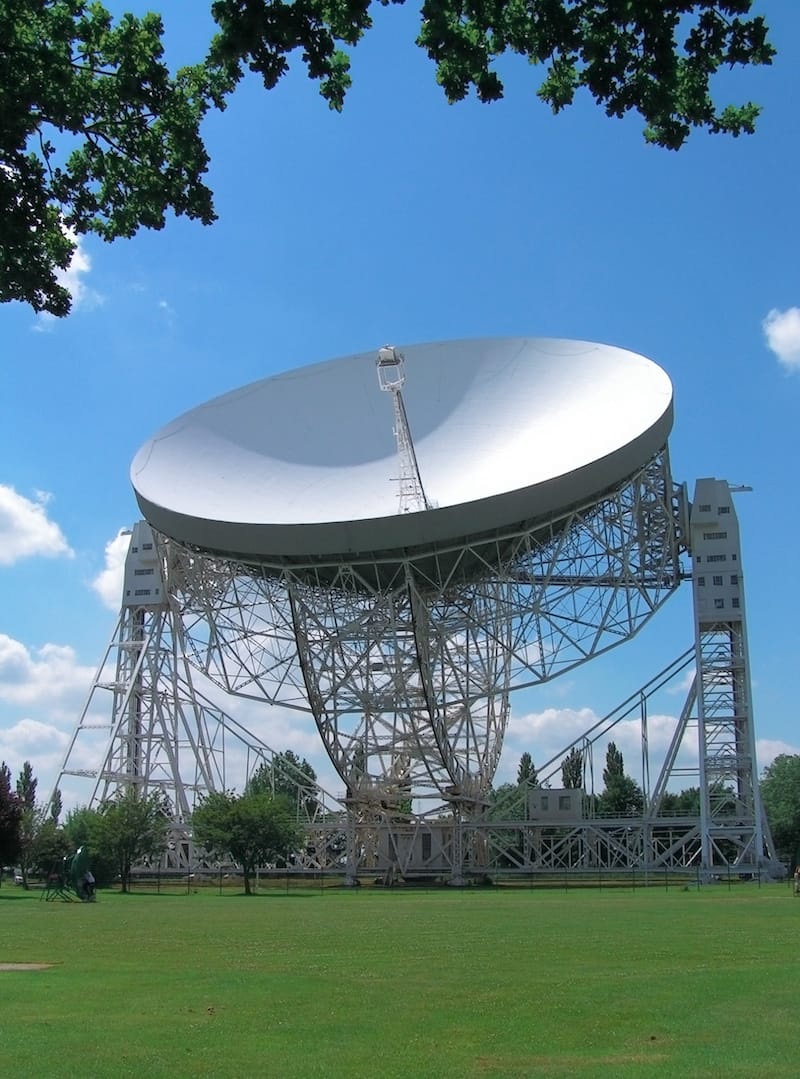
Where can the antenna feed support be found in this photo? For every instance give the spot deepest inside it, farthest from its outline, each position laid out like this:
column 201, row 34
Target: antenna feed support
column 389, row 365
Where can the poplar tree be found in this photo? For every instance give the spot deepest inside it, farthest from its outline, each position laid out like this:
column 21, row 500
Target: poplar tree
column 10, row 820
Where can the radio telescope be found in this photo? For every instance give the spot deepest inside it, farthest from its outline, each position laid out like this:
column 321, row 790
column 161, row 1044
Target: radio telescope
column 396, row 554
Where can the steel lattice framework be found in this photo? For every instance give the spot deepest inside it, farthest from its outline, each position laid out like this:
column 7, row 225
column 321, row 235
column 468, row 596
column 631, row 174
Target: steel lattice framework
column 407, row 664
column 375, row 667
column 146, row 723
column 730, row 811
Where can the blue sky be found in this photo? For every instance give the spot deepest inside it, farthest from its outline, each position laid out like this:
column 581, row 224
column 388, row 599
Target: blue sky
column 405, row 219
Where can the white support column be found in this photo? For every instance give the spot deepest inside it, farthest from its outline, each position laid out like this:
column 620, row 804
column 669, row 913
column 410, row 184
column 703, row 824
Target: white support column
column 731, row 814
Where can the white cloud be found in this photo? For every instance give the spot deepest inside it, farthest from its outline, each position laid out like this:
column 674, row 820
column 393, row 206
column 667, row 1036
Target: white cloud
column 25, row 530
column 767, row 749
column 43, row 692
column 685, row 684
column 49, row 674
column 29, row 738
column 554, row 727
column 545, row 734
column 782, row 331
column 73, row 280
column 40, row 743
column 108, row 583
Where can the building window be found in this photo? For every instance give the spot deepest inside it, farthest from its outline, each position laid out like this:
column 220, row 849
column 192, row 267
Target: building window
column 134, row 550
column 544, row 801
column 565, row 801
column 717, row 558
column 715, row 535
column 733, row 558
column 704, row 508
column 717, row 579
column 698, row 559
column 735, row 602
column 719, row 604
column 143, row 572
column 723, row 509
column 141, row 592
column 701, row 581
column 734, row 578
column 147, row 546
column 426, row 846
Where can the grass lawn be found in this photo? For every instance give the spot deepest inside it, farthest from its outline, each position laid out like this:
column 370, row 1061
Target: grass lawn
column 497, row 982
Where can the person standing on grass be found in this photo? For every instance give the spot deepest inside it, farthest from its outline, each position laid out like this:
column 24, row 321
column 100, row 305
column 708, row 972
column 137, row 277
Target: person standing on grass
column 797, row 880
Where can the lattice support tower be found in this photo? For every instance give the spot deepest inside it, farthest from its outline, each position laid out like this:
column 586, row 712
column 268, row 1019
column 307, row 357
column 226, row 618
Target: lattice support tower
column 147, row 724
column 733, row 823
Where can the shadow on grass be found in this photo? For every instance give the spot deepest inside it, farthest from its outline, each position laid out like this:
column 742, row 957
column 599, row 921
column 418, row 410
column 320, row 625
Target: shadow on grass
column 209, row 893
column 276, row 895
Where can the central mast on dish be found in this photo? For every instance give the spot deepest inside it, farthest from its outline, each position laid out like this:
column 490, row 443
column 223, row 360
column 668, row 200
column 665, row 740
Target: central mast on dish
column 391, row 378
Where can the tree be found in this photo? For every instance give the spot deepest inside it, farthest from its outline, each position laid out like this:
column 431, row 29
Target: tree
column 83, row 828
column 656, row 59
column 26, row 786
column 288, row 776
column 56, row 805
column 572, row 769
column 254, row 829
column 526, row 773
column 30, row 821
column 130, row 827
column 49, row 848
column 684, row 804
column 615, row 766
column 780, row 793
column 10, row 819
column 622, row 796
column 96, row 135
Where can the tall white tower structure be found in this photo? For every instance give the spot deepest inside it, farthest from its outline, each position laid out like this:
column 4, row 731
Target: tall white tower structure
column 733, row 824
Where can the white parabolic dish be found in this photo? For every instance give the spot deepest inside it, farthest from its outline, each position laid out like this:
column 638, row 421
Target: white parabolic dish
column 304, row 465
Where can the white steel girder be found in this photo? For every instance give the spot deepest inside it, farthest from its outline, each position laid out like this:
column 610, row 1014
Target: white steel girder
column 408, row 678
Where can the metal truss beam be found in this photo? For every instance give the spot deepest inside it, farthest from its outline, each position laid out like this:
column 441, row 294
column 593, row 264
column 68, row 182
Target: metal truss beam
column 409, row 681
